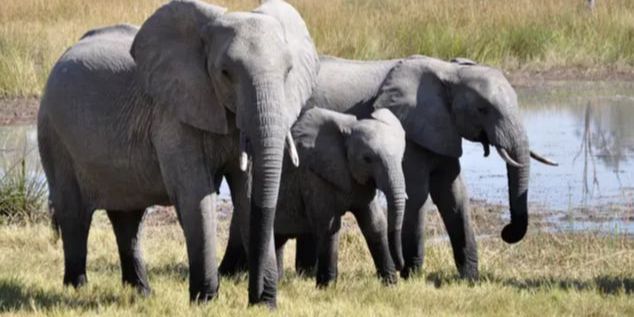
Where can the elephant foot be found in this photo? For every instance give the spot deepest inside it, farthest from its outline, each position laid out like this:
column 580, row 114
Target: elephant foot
column 323, row 281
column 307, row 271
column 411, row 270
column 389, row 278
column 144, row 291
column 203, row 296
column 469, row 273
column 234, row 263
column 227, row 269
column 76, row 281
column 140, row 285
column 269, row 303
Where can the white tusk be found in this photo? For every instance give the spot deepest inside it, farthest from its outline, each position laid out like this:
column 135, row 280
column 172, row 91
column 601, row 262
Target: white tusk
column 292, row 151
column 507, row 158
column 244, row 157
column 244, row 161
column 542, row 159
column 406, row 197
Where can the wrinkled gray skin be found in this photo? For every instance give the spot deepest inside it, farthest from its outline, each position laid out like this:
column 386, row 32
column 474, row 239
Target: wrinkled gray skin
column 343, row 162
column 438, row 104
column 130, row 120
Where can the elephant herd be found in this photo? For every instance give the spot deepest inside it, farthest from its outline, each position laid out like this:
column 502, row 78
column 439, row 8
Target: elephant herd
column 160, row 114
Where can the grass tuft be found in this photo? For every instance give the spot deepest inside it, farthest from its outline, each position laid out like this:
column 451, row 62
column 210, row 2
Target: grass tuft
column 23, row 189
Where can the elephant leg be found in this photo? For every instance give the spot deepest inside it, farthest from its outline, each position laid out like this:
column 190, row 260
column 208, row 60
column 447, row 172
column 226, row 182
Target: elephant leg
column 235, row 260
column 74, row 232
column 280, row 241
column 73, row 218
column 127, row 230
column 189, row 180
column 198, row 219
column 373, row 224
column 327, row 255
column 70, row 215
column 306, row 254
column 450, row 195
column 416, row 165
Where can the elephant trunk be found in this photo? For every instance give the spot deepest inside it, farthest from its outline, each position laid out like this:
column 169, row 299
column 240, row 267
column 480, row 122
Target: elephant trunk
column 518, row 170
column 269, row 130
column 394, row 190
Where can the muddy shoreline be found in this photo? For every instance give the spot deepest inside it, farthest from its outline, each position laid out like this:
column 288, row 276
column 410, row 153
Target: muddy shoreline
column 487, row 219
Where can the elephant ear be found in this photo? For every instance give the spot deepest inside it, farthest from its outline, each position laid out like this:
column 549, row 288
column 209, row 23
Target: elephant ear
column 171, row 61
column 320, row 138
column 302, row 77
column 414, row 91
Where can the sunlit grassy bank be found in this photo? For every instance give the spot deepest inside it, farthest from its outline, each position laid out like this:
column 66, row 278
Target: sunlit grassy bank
column 520, row 34
column 544, row 275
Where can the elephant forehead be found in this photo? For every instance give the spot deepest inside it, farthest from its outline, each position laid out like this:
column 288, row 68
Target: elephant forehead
column 488, row 82
column 250, row 25
column 380, row 137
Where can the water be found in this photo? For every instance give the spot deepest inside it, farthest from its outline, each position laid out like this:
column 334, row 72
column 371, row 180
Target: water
column 585, row 126
column 17, row 142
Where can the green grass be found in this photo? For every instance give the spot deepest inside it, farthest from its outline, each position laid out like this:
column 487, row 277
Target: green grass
column 544, row 275
column 515, row 35
column 22, row 195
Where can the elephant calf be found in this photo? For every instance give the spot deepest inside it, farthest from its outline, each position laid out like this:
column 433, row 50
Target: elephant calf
column 343, row 162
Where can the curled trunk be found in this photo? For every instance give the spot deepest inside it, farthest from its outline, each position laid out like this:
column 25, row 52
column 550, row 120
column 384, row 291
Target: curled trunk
column 518, row 176
column 518, row 202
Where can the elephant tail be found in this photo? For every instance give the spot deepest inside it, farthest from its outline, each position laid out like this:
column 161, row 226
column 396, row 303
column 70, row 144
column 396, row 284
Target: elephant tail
column 54, row 223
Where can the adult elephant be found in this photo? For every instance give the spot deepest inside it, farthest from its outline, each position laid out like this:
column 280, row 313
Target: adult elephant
column 132, row 119
column 438, row 104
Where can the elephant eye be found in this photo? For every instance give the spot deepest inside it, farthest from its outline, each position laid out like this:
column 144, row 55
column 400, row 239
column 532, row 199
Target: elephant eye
column 225, row 74
column 288, row 71
column 367, row 159
column 483, row 110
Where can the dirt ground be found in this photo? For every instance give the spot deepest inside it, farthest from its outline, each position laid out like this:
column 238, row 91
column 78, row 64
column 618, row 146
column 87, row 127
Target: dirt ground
column 22, row 110
column 528, row 78
column 487, row 218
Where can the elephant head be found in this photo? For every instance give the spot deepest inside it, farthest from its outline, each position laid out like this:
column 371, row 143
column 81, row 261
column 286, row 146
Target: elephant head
column 215, row 71
column 441, row 102
column 349, row 153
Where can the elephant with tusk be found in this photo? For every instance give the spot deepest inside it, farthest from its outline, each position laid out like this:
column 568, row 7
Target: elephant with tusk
column 439, row 103
column 133, row 117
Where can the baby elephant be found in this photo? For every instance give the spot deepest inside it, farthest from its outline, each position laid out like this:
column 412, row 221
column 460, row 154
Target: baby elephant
column 343, row 162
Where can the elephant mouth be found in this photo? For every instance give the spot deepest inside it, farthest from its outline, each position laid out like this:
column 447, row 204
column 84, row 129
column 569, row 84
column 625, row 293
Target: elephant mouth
column 246, row 151
column 484, row 140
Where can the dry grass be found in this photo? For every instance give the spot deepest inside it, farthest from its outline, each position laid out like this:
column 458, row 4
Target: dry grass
column 544, row 275
column 519, row 34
